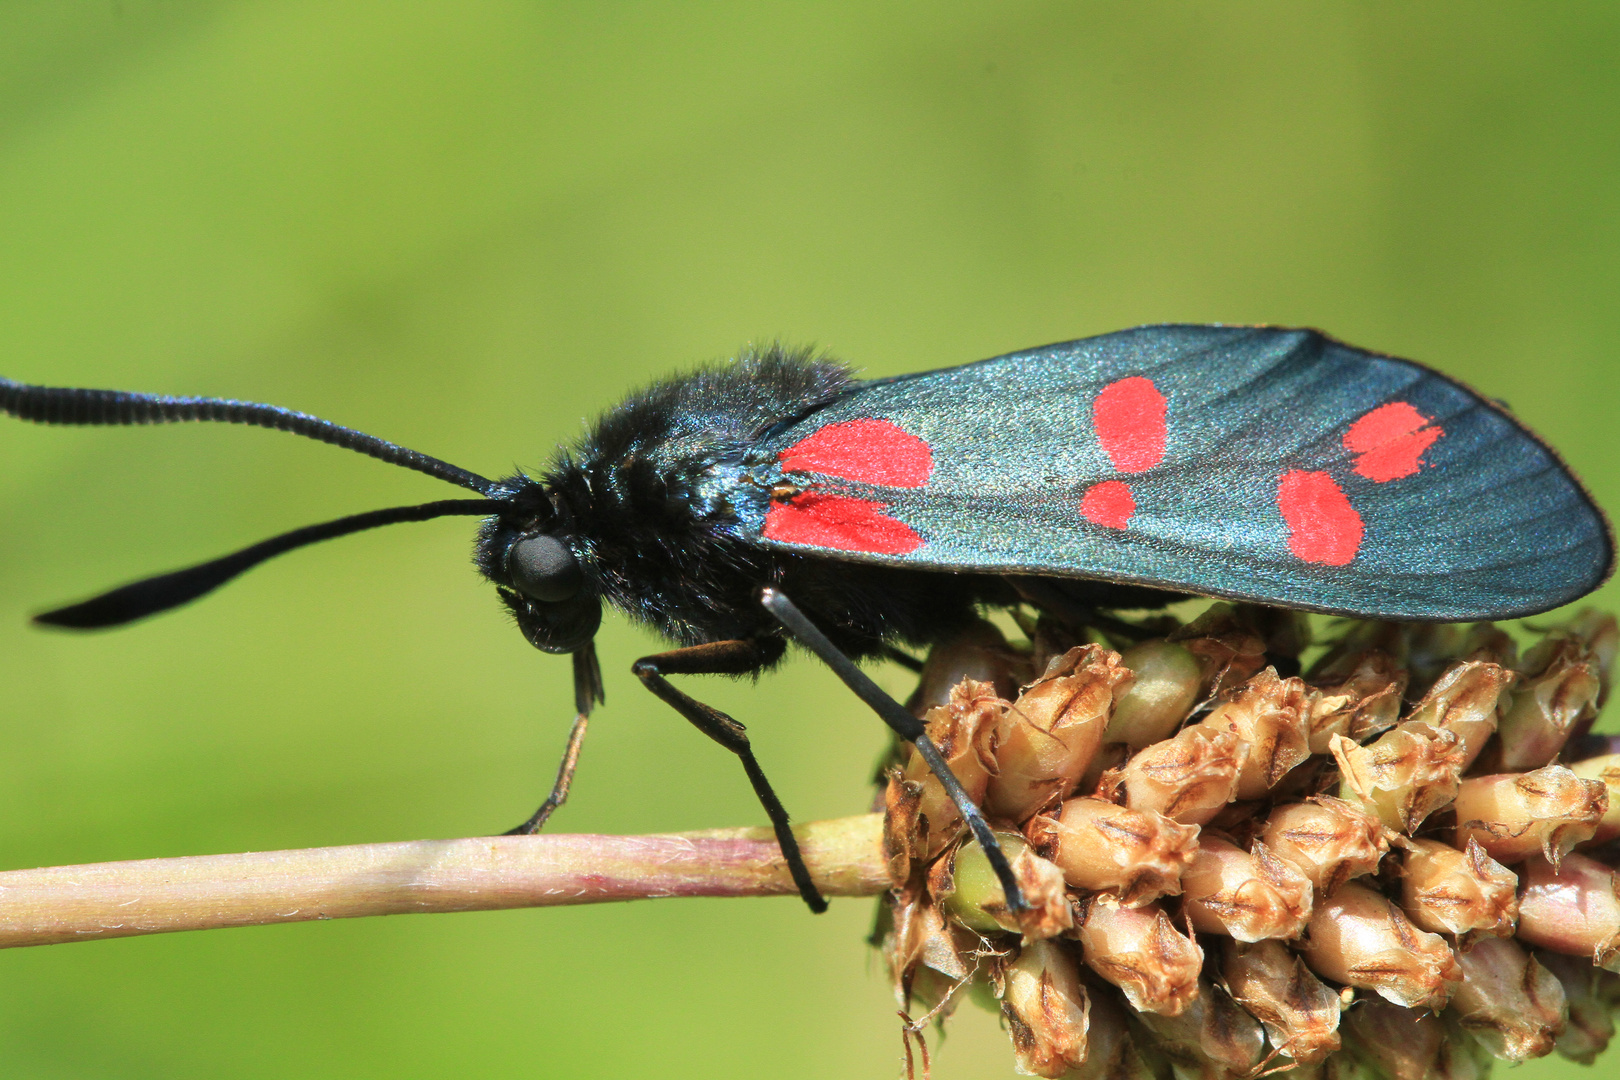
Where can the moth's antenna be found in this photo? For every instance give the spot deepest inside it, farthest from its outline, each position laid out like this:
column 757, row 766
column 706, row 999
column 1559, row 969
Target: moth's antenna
column 58, row 405
column 155, row 594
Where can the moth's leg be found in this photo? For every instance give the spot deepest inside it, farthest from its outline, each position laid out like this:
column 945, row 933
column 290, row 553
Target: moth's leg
column 905, row 725
column 565, row 779
column 730, row 658
column 587, row 692
column 903, row 658
column 1051, row 598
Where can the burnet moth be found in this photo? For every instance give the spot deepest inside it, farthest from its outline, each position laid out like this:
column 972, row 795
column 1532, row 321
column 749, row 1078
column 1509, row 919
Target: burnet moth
column 777, row 498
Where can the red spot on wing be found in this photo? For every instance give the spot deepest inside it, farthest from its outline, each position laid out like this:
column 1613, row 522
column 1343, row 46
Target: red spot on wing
column 840, row 523
column 1129, row 417
column 1109, row 503
column 867, row 451
column 1390, row 440
column 1322, row 525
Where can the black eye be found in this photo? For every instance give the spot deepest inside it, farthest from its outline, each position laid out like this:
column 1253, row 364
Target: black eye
column 542, row 568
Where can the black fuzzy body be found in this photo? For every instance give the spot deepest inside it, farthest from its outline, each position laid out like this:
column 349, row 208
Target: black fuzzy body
column 647, row 503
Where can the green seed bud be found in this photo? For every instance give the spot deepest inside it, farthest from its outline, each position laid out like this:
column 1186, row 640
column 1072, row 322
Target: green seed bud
column 976, row 891
column 1167, row 686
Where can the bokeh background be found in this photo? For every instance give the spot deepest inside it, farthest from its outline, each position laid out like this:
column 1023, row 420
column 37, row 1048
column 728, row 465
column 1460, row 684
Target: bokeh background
column 467, row 225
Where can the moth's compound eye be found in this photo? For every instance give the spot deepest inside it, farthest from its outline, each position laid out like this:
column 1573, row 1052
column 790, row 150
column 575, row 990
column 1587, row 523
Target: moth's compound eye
column 542, row 568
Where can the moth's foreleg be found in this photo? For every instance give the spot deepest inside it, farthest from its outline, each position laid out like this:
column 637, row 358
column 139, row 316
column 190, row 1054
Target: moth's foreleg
column 587, row 692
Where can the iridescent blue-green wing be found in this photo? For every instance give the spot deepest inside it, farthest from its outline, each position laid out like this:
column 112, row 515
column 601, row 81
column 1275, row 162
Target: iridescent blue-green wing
column 1252, row 462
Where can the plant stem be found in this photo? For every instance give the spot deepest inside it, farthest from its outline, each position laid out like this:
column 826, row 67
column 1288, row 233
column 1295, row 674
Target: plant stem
column 156, row 896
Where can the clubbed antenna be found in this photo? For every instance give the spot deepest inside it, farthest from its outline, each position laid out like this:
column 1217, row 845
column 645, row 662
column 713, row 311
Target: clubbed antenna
column 59, row 405
column 155, row 594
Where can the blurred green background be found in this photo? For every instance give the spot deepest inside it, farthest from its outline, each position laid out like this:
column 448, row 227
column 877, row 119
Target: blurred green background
column 465, row 226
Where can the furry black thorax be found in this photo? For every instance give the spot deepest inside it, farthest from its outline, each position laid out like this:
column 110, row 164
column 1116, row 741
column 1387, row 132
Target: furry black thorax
column 645, row 503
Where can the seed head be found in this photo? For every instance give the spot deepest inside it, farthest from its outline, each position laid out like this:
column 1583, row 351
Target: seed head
column 1134, row 856
column 1188, row 778
column 1514, row 815
column 1046, row 1008
column 1269, row 714
column 1403, row 777
column 1200, row 909
column 1511, row 1004
column 1357, row 936
column 1247, row 896
column 1140, row 951
column 1045, row 739
column 1329, row 840
column 1463, row 893
column 1300, row 1013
